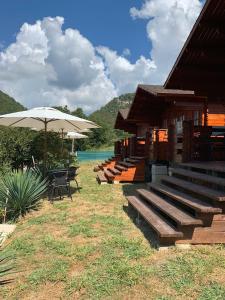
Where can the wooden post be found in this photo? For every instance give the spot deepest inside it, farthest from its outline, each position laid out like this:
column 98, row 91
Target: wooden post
column 171, row 142
column 156, row 145
column 188, row 135
column 206, row 113
column 147, row 144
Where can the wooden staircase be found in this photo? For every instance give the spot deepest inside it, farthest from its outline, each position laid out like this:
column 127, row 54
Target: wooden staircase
column 132, row 169
column 187, row 207
column 109, row 163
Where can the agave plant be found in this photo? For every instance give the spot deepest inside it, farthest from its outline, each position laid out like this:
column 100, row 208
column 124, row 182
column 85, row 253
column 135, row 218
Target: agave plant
column 6, row 268
column 21, row 192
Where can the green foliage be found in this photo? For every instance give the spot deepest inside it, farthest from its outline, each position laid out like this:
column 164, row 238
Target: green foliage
column 23, row 192
column 79, row 113
column 63, row 109
column 108, row 113
column 15, row 146
column 8, row 104
column 6, row 268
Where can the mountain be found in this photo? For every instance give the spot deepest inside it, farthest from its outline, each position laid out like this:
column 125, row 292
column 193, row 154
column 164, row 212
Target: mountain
column 107, row 114
column 8, row 104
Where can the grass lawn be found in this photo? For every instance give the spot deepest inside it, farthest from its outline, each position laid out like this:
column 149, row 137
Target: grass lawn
column 91, row 249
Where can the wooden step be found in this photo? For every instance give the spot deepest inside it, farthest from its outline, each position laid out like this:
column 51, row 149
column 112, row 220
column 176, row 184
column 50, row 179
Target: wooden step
column 101, row 177
column 96, row 169
column 114, row 171
column 195, row 188
column 199, row 176
column 207, row 166
column 132, row 161
column 137, row 157
column 172, row 211
column 126, row 164
column 197, row 205
column 162, row 228
column 120, row 168
column 108, row 174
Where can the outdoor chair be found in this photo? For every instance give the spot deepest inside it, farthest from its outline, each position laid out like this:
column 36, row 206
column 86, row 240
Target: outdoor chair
column 59, row 180
column 72, row 174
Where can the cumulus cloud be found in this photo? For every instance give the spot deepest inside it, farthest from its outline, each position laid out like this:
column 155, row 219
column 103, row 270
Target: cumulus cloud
column 168, row 27
column 47, row 65
column 124, row 75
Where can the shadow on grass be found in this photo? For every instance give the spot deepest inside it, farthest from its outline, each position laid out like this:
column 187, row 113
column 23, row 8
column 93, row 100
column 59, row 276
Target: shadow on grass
column 137, row 219
column 59, row 195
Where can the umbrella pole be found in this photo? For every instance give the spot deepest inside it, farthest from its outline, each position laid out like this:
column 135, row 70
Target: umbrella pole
column 62, row 143
column 72, row 150
column 45, row 147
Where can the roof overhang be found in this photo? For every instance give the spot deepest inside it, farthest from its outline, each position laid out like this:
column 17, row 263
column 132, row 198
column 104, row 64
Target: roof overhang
column 201, row 63
column 150, row 102
column 122, row 123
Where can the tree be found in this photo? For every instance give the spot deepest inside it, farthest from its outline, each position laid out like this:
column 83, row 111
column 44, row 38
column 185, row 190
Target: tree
column 63, row 109
column 79, row 113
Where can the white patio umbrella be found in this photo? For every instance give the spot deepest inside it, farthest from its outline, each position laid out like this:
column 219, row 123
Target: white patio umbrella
column 74, row 136
column 47, row 119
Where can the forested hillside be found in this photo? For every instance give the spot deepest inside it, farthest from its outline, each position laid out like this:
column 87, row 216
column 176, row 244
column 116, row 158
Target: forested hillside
column 109, row 112
column 8, row 104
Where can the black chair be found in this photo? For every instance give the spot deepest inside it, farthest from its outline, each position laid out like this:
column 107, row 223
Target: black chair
column 59, row 180
column 72, row 174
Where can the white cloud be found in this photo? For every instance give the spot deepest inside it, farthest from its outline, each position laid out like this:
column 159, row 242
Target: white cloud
column 124, row 75
column 49, row 66
column 169, row 24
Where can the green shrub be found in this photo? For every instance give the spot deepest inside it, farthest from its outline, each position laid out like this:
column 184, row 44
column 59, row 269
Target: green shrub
column 21, row 192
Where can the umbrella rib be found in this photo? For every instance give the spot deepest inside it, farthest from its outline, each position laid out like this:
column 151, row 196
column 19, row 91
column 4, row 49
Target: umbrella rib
column 17, row 121
column 73, row 125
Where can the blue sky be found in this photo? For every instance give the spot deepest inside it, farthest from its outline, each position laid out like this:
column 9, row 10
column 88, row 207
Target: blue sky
column 101, row 21
column 71, row 52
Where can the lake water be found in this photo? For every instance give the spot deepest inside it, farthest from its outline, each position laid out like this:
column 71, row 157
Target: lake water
column 91, row 155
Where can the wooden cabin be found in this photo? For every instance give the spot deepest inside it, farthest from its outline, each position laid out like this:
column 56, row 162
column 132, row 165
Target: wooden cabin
column 186, row 121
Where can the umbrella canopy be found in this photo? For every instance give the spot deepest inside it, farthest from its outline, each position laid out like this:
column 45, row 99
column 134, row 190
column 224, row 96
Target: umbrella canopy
column 46, row 118
column 76, row 135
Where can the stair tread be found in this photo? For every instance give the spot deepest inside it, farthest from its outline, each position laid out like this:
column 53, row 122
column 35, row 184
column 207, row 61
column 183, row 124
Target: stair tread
column 132, row 160
column 172, row 211
column 114, row 171
column 108, row 173
column 188, row 200
column 207, row 166
column 120, row 168
column 201, row 190
column 137, row 157
column 203, row 177
column 162, row 228
column 126, row 164
column 101, row 176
